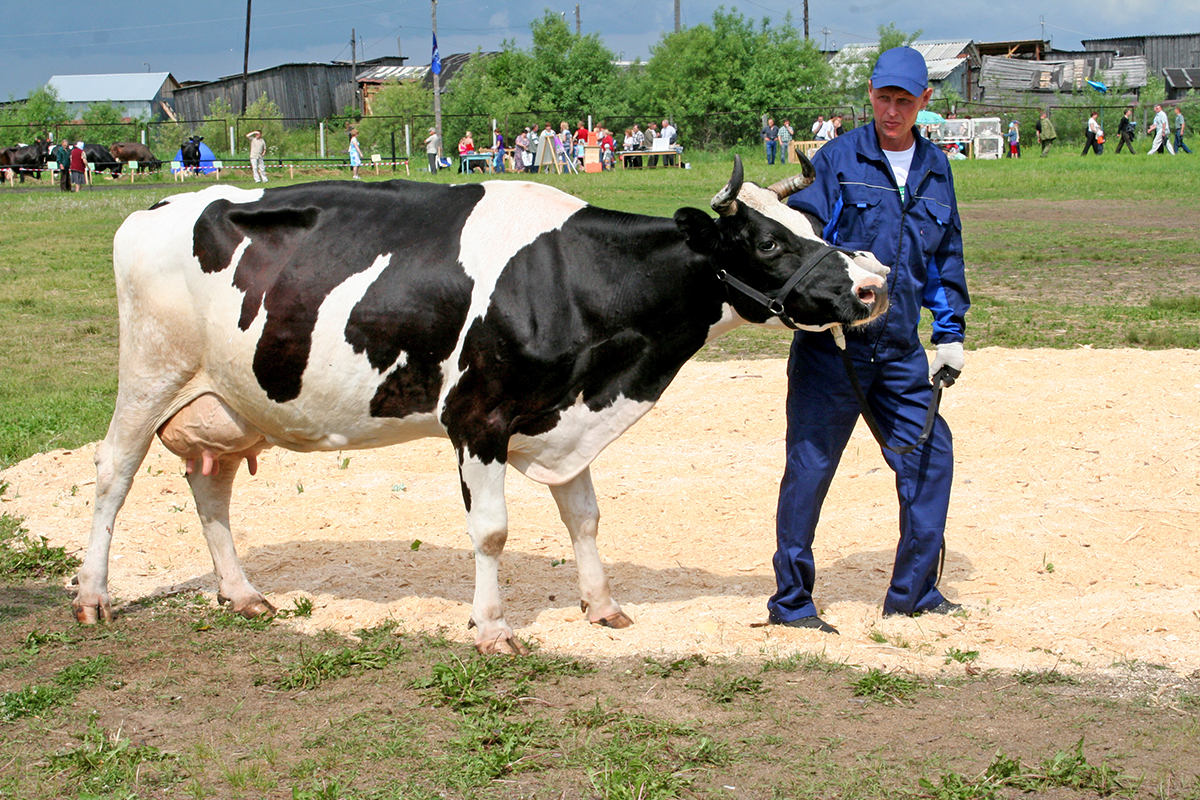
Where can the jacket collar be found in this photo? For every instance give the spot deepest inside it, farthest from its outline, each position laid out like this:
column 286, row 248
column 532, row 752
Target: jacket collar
column 925, row 156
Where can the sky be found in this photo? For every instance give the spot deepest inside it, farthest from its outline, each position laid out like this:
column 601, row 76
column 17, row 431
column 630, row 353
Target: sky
column 203, row 41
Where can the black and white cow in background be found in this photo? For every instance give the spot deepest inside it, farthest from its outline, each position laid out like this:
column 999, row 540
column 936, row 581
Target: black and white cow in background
column 525, row 325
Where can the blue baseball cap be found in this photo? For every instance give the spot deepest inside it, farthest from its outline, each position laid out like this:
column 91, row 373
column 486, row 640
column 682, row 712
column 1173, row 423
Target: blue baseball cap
column 902, row 67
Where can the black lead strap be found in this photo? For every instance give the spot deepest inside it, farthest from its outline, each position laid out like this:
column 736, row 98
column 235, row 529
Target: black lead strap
column 775, row 304
column 944, row 377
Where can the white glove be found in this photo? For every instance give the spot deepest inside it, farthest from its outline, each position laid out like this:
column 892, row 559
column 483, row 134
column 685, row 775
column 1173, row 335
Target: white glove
column 950, row 355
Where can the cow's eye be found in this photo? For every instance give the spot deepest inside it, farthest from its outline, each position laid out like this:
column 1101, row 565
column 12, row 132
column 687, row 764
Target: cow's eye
column 767, row 245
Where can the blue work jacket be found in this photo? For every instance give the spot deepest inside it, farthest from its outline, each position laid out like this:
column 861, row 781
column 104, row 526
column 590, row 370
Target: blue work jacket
column 856, row 199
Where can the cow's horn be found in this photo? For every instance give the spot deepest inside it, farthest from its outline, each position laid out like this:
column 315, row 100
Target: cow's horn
column 795, row 183
column 724, row 201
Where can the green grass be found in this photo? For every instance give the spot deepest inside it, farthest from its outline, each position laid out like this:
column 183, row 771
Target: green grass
column 882, row 686
column 23, row 556
column 37, row 700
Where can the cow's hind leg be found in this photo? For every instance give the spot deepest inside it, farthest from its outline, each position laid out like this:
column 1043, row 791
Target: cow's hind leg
column 577, row 506
column 487, row 522
column 212, row 493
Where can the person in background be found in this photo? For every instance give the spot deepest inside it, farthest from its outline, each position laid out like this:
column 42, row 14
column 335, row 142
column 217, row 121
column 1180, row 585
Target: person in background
column 826, row 131
column 1094, row 133
column 1125, row 130
column 1159, row 128
column 433, row 148
column 1045, row 133
column 466, row 144
column 1179, row 126
column 786, row 134
column 547, row 148
column 816, row 126
column 62, row 158
column 355, row 154
column 770, row 136
column 78, row 164
column 837, row 126
column 651, row 136
column 498, row 143
column 258, row 153
column 879, row 188
column 1014, row 139
column 669, row 133
column 639, row 143
column 520, row 148
column 607, row 146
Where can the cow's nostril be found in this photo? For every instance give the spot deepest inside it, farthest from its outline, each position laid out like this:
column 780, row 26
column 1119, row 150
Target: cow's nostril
column 866, row 296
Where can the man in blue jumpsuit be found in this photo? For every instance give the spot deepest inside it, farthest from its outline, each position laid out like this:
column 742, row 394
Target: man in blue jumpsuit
column 881, row 188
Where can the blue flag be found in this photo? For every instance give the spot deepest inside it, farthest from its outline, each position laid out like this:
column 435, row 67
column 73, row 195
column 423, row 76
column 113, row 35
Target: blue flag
column 436, row 63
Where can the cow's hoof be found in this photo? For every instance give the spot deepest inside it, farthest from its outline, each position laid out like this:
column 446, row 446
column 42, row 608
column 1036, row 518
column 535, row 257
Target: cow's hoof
column 617, row 620
column 502, row 645
column 253, row 609
column 92, row 614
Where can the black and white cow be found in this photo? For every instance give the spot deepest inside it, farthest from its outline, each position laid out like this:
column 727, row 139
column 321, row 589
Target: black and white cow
column 525, row 325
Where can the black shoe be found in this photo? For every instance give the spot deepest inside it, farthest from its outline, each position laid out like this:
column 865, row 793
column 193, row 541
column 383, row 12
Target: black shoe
column 945, row 608
column 814, row 622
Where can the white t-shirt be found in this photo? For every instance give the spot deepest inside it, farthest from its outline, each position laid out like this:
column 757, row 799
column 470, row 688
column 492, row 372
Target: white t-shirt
column 826, row 130
column 900, row 161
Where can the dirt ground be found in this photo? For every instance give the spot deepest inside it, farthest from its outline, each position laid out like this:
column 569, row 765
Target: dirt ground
column 1074, row 534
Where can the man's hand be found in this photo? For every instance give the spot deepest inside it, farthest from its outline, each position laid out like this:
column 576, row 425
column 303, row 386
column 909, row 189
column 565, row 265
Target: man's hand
column 949, row 355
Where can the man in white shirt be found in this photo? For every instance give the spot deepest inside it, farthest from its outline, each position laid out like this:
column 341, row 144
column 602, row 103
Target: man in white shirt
column 1159, row 129
column 669, row 133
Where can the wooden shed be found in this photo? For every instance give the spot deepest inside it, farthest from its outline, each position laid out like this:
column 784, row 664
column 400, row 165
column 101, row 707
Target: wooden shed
column 303, row 92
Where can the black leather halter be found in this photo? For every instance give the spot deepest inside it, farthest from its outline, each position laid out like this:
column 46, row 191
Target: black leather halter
column 774, row 302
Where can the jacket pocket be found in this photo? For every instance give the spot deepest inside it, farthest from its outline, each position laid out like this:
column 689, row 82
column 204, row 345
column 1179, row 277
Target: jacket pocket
column 861, row 217
column 934, row 221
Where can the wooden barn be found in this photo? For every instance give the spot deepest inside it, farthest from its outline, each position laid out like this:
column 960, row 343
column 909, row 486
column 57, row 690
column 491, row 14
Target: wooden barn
column 303, row 92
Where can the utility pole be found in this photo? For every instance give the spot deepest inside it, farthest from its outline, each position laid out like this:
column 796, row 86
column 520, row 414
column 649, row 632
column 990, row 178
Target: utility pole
column 805, row 19
column 677, row 27
column 577, row 27
column 437, row 91
column 354, row 68
column 245, row 60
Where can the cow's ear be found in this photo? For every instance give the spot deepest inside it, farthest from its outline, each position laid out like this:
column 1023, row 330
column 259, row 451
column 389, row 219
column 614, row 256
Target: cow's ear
column 699, row 229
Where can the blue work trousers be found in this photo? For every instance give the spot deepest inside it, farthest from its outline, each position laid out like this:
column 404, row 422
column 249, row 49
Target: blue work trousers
column 771, row 144
column 821, row 414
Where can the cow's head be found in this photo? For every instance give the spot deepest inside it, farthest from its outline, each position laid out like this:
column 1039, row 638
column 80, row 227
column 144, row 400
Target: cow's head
column 774, row 261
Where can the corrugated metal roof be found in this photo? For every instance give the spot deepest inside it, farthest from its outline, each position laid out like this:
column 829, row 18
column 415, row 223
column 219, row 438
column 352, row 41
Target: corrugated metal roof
column 941, row 68
column 118, row 87
column 931, row 51
column 381, row 74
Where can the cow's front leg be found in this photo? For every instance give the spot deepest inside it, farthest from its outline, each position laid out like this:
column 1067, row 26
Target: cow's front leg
column 577, row 506
column 212, row 493
column 487, row 523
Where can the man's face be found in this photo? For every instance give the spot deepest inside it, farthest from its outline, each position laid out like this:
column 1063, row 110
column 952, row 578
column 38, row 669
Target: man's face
column 895, row 114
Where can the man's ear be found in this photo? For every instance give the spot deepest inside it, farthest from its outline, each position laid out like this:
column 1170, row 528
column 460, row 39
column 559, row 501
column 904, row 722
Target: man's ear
column 699, row 229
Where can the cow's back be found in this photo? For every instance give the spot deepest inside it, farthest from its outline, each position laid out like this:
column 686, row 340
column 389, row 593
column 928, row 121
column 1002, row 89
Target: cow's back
column 330, row 315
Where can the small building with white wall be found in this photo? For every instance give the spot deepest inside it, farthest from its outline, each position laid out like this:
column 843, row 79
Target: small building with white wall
column 142, row 95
